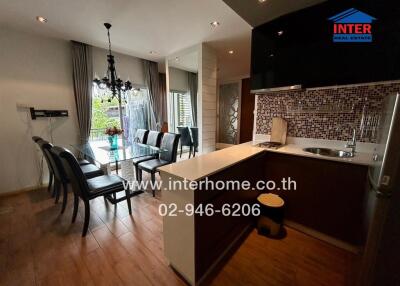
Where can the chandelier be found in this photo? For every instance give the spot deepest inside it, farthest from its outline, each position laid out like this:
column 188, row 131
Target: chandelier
column 111, row 85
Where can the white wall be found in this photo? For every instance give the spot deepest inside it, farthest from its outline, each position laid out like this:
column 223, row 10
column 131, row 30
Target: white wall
column 128, row 67
column 37, row 72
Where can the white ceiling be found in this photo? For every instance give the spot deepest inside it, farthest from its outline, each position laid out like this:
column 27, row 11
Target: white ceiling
column 163, row 26
column 139, row 26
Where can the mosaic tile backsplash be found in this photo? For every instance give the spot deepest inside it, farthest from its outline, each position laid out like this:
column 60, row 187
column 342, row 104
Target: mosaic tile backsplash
column 326, row 113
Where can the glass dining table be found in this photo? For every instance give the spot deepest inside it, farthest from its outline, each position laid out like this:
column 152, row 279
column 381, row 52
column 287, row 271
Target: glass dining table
column 101, row 152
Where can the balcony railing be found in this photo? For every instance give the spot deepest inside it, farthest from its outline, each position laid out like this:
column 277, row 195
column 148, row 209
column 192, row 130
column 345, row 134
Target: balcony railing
column 97, row 134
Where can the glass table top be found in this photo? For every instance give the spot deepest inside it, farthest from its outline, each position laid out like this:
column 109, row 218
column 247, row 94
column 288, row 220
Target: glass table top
column 101, row 152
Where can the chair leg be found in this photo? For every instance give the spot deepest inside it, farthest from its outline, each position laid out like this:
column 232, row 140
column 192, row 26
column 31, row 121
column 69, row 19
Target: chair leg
column 57, row 186
column 140, row 175
column 50, row 182
column 65, row 197
column 181, row 152
column 190, row 150
column 153, row 181
column 128, row 200
column 136, row 172
column 87, row 218
column 194, row 151
column 76, row 206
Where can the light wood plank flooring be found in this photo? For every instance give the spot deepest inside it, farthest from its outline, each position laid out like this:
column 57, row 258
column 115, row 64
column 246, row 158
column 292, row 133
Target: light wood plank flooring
column 38, row 246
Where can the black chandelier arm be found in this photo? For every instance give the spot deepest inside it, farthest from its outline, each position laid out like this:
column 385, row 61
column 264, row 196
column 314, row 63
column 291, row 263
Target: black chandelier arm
column 111, row 81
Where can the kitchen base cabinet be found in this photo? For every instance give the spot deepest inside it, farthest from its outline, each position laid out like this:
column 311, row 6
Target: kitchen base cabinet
column 329, row 196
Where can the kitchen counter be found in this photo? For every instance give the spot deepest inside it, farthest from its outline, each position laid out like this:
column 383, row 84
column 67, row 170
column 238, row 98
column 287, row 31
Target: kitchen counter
column 360, row 158
column 211, row 163
column 184, row 245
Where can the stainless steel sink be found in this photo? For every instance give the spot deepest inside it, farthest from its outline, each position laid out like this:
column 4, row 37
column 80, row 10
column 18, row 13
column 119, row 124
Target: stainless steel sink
column 329, row 152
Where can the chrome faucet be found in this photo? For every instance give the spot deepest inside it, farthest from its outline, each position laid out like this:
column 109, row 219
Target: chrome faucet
column 353, row 143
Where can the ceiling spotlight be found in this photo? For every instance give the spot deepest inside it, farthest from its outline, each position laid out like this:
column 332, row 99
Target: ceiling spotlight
column 215, row 24
column 41, row 19
column 262, row 1
column 231, row 52
column 280, row 33
column 153, row 53
column 177, row 59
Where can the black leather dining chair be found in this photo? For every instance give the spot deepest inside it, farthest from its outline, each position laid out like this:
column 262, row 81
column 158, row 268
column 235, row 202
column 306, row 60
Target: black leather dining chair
column 186, row 139
column 153, row 139
column 60, row 176
column 195, row 139
column 37, row 140
column 88, row 189
column 170, row 144
column 141, row 136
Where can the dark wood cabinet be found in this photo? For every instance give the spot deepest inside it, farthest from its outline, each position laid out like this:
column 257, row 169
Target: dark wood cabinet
column 246, row 112
column 329, row 197
column 298, row 48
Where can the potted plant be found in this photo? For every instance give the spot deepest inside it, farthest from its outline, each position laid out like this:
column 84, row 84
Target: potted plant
column 113, row 133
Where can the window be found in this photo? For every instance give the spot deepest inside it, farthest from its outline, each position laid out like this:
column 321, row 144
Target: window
column 135, row 112
column 182, row 108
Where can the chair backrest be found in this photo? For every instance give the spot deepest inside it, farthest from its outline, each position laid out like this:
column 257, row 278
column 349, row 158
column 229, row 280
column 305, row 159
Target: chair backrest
column 41, row 143
column 36, row 138
column 73, row 171
column 170, row 143
column 141, row 136
column 154, row 138
column 195, row 136
column 58, row 171
column 185, row 136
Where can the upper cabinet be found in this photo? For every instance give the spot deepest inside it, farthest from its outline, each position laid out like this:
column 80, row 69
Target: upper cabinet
column 298, row 48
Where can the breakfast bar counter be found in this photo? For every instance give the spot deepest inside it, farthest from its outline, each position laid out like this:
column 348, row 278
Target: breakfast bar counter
column 194, row 244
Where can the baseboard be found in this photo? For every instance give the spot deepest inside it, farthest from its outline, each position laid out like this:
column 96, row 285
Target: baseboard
column 326, row 238
column 21, row 191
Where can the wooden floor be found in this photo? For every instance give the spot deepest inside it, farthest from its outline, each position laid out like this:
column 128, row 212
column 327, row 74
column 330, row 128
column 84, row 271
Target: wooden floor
column 38, row 246
column 297, row 259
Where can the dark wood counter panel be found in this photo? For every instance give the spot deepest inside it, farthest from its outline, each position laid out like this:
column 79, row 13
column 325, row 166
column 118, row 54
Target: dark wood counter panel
column 329, row 197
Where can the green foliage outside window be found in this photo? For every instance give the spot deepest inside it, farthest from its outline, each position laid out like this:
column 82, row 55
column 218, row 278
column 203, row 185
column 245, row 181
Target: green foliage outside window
column 100, row 118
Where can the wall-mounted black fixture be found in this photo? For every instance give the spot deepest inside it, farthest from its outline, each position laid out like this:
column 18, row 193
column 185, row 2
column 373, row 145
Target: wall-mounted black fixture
column 47, row 113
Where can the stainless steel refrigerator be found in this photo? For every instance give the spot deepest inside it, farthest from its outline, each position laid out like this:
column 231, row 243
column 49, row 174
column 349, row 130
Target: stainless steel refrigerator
column 382, row 252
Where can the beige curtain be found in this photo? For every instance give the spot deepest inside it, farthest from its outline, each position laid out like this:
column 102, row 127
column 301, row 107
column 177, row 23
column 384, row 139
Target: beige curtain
column 162, row 99
column 193, row 83
column 151, row 79
column 82, row 69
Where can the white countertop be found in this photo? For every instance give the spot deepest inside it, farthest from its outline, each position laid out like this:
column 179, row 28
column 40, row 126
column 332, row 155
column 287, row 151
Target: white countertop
column 297, row 150
column 204, row 165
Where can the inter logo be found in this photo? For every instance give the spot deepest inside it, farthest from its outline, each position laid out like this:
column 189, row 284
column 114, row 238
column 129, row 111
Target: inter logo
column 352, row 26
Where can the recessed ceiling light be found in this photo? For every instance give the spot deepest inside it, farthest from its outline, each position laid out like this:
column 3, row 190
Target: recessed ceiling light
column 280, row 33
column 153, row 53
column 231, row 52
column 177, row 59
column 215, row 24
column 41, row 19
column 262, row 1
